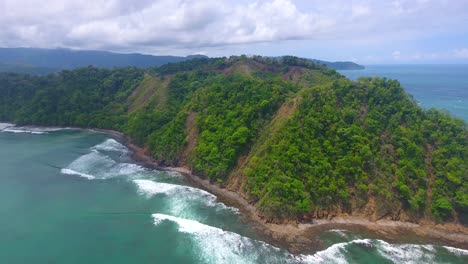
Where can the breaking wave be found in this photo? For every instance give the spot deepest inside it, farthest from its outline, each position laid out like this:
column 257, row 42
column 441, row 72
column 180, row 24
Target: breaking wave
column 182, row 199
column 11, row 128
column 111, row 145
column 5, row 125
column 358, row 250
column 72, row 172
column 20, row 130
column 96, row 165
column 215, row 245
column 457, row 251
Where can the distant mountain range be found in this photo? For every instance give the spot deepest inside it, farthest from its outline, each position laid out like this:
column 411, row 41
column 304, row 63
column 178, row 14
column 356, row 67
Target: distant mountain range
column 44, row 61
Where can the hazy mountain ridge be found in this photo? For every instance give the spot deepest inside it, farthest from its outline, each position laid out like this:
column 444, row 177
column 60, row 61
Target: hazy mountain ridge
column 59, row 59
column 44, row 61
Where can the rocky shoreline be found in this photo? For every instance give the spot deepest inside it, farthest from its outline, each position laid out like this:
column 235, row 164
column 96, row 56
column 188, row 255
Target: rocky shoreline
column 303, row 237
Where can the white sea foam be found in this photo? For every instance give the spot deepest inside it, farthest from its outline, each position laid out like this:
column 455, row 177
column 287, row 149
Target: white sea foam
column 186, row 225
column 340, row 232
column 396, row 253
column 111, row 145
column 334, row 254
column 181, row 198
column 457, row 251
column 21, row 130
column 150, row 188
column 11, row 128
column 5, row 125
column 128, row 169
column 406, row 253
column 72, row 172
column 215, row 245
column 101, row 166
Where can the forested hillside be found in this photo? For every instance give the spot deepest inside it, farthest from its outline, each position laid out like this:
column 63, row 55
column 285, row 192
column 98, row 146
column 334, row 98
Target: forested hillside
column 295, row 138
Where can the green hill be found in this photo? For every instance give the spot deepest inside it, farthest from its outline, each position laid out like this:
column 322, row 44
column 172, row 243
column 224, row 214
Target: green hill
column 295, row 138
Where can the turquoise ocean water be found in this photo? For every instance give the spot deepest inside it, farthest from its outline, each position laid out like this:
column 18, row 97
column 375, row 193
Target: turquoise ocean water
column 439, row 86
column 77, row 197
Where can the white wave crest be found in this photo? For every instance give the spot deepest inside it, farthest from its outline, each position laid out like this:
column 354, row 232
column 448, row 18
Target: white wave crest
column 11, row 128
column 151, row 188
column 100, row 166
column 215, row 245
column 397, row 253
column 406, row 253
column 457, row 251
column 19, row 130
column 5, row 125
column 181, row 197
column 335, row 254
column 72, row 172
column 111, row 145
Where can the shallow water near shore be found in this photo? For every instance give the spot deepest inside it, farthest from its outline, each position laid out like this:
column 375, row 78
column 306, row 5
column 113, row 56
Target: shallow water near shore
column 77, row 197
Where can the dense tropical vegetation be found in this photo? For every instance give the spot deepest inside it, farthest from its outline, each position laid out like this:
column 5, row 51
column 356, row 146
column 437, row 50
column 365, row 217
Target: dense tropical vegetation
column 295, row 137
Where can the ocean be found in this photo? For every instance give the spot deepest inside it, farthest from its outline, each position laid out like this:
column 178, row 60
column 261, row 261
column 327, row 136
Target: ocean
column 433, row 86
column 77, row 197
column 69, row 196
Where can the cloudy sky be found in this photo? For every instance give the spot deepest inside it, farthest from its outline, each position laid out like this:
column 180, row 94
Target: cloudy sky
column 366, row 31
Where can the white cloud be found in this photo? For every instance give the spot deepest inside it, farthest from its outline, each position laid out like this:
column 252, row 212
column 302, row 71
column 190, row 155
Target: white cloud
column 396, row 55
column 122, row 24
column 418, row 56
column 159, row 25
column 461, row 53
column 360, row 10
